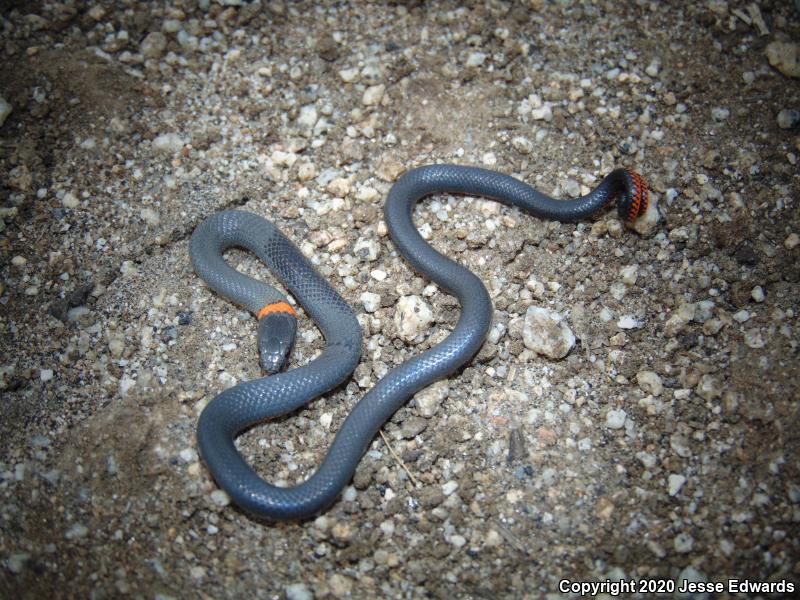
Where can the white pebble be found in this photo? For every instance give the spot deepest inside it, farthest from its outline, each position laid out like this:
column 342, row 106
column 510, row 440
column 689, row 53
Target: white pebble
column 19, row 261
column 449, row 487
column 675, row 483
column 476, row 59
column 615, row 418
column 547, row 333
column 373, row 95
column 371, row 301
column 46, row 374
column 412, row 317
column 650, row 382
column 792, row 241
column 70, row 200
column 307, row 117
column 5, row 110
column 298, row 591
column 430, row 399
column 220, row 498
column 168, row 143
column 757, row 294
column 628, row 322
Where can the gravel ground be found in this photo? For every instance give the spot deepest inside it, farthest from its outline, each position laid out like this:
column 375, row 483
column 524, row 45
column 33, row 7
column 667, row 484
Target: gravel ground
column 661, row 447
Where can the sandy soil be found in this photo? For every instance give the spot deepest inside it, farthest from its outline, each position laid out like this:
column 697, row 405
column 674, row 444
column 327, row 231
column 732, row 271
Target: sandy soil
column 663, row 447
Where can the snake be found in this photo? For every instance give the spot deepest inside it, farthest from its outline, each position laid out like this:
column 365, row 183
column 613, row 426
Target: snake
column 280, row 391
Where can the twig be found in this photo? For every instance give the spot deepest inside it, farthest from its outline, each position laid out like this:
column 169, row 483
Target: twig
column 399, row 460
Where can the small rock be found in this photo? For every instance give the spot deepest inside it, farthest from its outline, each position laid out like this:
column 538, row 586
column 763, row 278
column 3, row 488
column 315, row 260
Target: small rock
column 150, row 216
column 168, row 143
column 153, row 45
column 188, row 455
column 675, row 483
column 16, row 562
column 792, row 241
column 5, row 110
column 628, row 322
column 366, row 249
column 522, row 144
column 412, row 427
column 720, row 113
column 683, row 543
column 476, row 59
column 545, row 332
column 412, row 317
column 788, row 118
column 70, row 200
column 757, row 294
column 349, row 75
column 308, row 117
column 220, row 498
column 650, row 382
column 629, row 274
column 679, row 319
column 430, row 399
column 449, row 487
column 543, row 113
column 784, row 56
column 77, row 531
column 615, row 418
column 298, row 591
column 46, row 374
column 371, row 301
column 373, row 95
column 708, row 388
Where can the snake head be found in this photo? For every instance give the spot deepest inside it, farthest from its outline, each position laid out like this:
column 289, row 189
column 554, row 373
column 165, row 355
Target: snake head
column 633, row 200
column 276, row 331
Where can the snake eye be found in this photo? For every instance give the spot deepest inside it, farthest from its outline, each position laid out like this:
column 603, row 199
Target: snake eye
column 635, row 197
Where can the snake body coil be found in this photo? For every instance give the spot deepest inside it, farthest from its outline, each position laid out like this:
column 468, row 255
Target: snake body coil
column 241, row 406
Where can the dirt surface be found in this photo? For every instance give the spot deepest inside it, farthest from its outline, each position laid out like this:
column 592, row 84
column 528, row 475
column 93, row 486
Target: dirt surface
column 663, row 447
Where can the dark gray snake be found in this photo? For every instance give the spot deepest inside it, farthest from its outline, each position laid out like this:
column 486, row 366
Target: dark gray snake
column 241, row 406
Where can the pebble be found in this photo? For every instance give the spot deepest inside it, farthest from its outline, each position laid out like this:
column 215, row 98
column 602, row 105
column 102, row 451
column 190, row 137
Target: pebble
column 449, row 487
column 371, row 301
column 349, row 75
column 69, row 200
column 628, row 322
column 5, row 110
column 476, row 59
column 615, row 418
column 153, row 45
column 650, row 382
column 366, row 249
column 431, row 398
column 757, row 294
column 629, row 274
column 679, row 319
column 19, row 261
column 16, row 562
column 46, row 374
column 547, row 333
column 543, row 113
column 308, row 117
column 522, row 144
column 675, row 483
column 788, row 118
column 708, row 387
column 220, row 498
column 373, row 95
column 188, row 455
column 784, row 56
column 792, row 241
column 412, row 317
column 683, row 543
column 150, row 216
column 168, row 143
column 77, row 531
column 720, row 113
column 298, row 591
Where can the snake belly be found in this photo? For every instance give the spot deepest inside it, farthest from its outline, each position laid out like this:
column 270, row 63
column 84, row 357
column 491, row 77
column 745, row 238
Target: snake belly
column 241, row 406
